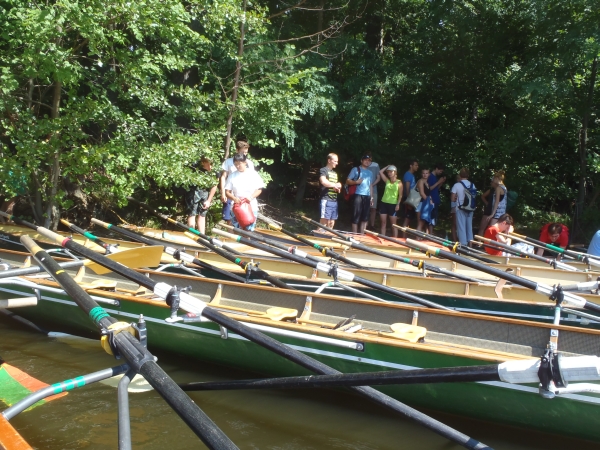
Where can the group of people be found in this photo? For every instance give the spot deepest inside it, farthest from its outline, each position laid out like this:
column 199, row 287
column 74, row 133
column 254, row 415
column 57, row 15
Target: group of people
column 407, row 198
column 239, row 183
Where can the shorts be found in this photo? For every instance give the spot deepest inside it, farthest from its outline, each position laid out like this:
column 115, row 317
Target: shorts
column 194, row 199
column 329, row 209
column 227, row 214
column 361, row 205
column 388, row 209
column 408, row 212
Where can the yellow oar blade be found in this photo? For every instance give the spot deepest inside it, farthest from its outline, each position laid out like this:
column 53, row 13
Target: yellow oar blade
column 149, row 256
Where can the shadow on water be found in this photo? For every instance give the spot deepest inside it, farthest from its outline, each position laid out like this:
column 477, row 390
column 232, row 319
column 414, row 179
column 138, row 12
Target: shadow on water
column 273, row 419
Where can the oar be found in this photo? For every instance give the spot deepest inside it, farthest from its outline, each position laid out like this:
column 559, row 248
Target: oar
column 260, row 238
column 137, row 356
column 551, row 262
column 404, row 244
column 454, row 246
column 170, row 250
column 333, row 271
column 196, row 306
column 569, row 298
column 331, row 230
column 583, row 257
column 573, row 368
column 182, row 225
column 418, row 264
column 109, row 248
column 250, row 268
column 136, row 257
column 325, row 251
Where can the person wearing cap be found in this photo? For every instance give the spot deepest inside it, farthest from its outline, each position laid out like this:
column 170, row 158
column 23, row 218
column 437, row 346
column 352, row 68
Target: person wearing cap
column 374, row 168
column 361, row 203
column 390, row 202
column 330, row 188
column 435, row 180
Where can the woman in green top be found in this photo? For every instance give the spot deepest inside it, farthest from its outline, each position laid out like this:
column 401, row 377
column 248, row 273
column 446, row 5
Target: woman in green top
column 390, row 203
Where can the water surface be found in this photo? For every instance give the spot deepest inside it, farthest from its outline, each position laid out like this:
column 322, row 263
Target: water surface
column 277, row 420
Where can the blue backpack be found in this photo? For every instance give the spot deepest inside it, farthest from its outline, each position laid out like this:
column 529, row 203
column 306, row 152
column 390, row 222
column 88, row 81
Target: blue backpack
column 468, row 203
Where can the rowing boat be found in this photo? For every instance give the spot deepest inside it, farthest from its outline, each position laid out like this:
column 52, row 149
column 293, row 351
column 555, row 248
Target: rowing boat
column 517, row 302
column 368, row 342
column 521, row 266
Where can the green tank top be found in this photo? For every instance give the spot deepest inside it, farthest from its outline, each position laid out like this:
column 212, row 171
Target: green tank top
column 390, row 194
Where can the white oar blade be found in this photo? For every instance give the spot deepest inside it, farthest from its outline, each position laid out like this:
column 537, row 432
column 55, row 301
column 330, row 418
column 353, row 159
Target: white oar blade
column 137, row 385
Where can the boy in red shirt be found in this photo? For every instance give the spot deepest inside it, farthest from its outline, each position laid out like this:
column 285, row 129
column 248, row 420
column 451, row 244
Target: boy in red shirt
column 504, row 225
column 555, row 234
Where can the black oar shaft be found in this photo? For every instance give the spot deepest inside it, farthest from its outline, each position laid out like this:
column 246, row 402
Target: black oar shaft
column 331, row 230
column 87, row 234
column 148, row 241
column 396, row 377
column 474, row 265
column 18, row 221
column 324, row 250
column 412, row 262
column 454, row 246
column 258, row 237
column 357, row 279
column 248, row 266
column 177, row 223
column 136, row 355
column 283, row 350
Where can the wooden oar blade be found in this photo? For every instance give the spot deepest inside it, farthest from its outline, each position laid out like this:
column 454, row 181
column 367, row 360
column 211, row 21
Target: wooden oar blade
column 148, row 256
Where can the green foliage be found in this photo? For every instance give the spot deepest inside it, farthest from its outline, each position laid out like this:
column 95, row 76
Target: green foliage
column 128, row 96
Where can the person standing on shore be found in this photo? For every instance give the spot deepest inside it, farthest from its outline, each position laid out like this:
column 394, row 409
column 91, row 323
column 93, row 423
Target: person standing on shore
column 462, row 191
column 228, row 168
column 198, row 199
column 330, row 188
column 361, row 203
column 390, row 202
column 374, row 168
column 500, row 197
column 435, row 180
column 246, row 184
column 409, row 182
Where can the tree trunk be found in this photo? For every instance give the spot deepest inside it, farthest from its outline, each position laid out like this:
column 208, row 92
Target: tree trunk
column 236, row 83
column 583, row 133
column 302, row 185
column 51, row 219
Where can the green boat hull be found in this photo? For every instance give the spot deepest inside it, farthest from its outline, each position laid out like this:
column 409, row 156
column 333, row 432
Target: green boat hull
column 575, row 415
column 535, row 311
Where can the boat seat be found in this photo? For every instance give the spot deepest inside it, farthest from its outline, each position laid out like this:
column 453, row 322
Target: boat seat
column 405, row 332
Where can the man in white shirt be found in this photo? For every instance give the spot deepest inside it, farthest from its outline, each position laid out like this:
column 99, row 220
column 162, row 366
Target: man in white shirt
column 228, row 168
column 244, row 184
column 464, row 214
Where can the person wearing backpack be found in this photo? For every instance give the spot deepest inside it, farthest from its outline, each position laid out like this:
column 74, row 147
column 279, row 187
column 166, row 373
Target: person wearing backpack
column 464, row 194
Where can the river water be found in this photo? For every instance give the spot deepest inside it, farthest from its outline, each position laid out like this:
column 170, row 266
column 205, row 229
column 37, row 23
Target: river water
column 279, row 420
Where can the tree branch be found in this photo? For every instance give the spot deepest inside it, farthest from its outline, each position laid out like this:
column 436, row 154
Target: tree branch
column 301, row 2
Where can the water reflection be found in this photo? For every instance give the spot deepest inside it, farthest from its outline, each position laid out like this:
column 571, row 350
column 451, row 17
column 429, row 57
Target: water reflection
column 278, row 420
